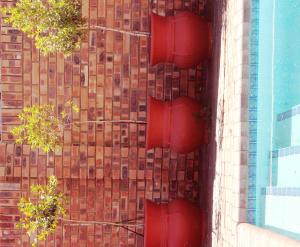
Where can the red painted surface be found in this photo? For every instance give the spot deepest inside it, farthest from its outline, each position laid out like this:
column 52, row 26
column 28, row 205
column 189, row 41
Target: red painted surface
column 176, row 124
column 177, row 224
column 184, row 39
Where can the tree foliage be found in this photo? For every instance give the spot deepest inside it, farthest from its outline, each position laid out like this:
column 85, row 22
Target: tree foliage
column 55, row 25
column 40, row 218
column 41, row 127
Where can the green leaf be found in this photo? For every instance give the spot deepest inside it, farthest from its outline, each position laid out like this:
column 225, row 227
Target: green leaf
column 40, row 128
column 55, row 25
column 40, row 218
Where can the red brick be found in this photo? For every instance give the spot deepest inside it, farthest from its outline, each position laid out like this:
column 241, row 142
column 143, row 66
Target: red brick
column 9, row 194
column 9, row 210
column 7, row 241
column 6, row 217
column 2, row 153
column 6, row 225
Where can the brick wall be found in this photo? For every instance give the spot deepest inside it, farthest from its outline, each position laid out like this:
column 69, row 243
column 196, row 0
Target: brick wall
column 103, row 168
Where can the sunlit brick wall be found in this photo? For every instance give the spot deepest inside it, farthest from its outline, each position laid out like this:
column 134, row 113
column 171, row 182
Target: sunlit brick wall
column 103, row 168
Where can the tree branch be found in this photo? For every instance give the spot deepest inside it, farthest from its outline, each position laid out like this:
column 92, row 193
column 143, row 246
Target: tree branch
column 107, row 121
column 83, row 222
column 132, row 33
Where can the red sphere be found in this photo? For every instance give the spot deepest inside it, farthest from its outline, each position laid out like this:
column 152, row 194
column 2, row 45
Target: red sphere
column 176, row 124
column 177, row 224
column 183, row 39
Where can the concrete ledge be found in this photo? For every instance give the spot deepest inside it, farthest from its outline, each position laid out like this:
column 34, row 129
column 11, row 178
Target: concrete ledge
column 252, row 236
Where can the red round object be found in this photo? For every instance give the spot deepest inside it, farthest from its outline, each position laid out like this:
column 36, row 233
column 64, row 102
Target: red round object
column 177, row 224
column 176, row 124
column 183, row 39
